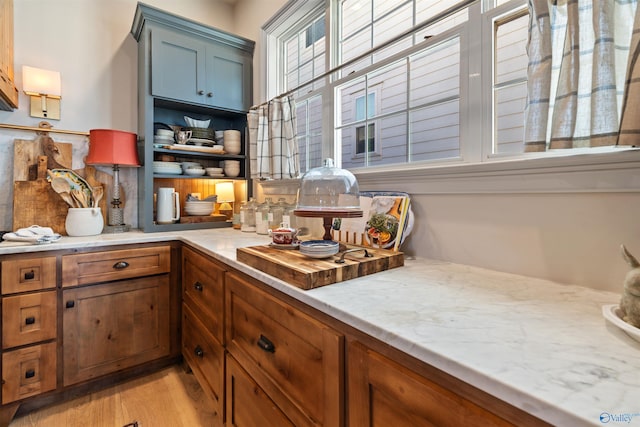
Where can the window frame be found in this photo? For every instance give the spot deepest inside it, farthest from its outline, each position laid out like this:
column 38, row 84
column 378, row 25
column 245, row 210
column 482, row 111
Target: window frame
column 614, row 169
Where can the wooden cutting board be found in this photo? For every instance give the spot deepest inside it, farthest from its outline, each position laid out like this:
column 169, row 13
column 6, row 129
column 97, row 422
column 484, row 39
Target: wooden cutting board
column 306, row 273
column 192, row 219
column 35, row 203
column 26, row 153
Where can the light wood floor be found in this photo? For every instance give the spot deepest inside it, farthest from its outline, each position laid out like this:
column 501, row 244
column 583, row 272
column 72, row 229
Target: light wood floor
column 170, row 398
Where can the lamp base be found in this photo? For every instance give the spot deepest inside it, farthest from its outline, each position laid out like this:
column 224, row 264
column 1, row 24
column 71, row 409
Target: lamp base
column 123, row 228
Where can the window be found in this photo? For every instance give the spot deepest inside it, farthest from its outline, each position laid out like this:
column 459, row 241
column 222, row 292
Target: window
column 424, row 82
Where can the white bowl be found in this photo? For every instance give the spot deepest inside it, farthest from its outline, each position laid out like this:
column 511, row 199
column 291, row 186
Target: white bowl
column 232, row 173
column 164, row 132
column 231, row 135
column 235, row 163
column 194, row 172
column 214, row 170
column 196, row 123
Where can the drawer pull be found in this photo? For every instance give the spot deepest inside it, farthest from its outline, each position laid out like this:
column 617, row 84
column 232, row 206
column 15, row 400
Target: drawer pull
column 29, row 275
column 121, row 265
column 30, row 320
column 201, row 92
column 70, row 304
column 198, row 286
column 265, row 344
column 30, row 373
column 198, row 351
column 209, row 94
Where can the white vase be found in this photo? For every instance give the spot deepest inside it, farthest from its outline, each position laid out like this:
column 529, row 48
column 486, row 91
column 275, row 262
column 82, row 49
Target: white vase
column 84, row 222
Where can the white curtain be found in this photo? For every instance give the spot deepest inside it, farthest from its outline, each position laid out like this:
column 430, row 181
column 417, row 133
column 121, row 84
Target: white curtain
column 273, row 146
column 578, row 63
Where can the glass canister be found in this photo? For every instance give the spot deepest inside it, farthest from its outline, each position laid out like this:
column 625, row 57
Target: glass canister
column 263, row 214
column 288, row 218
column 248, row 216
column 277, row 213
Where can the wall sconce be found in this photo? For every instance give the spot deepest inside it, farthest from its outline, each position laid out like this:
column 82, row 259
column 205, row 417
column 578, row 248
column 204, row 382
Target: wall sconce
column 226, row 195
column 43, row 88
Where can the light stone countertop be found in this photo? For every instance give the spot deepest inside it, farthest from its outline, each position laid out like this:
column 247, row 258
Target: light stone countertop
column 541, row 346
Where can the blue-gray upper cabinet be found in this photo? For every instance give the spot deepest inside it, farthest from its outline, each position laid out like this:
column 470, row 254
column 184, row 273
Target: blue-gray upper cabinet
column 189, row 62
column 190, row 69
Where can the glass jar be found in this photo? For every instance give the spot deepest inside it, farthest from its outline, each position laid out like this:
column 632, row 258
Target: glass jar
column 328, row 188
column 248, row 216
column 263, row 214
column 276, row 219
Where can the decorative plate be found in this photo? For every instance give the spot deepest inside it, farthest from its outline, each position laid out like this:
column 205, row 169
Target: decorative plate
column 75, row 180
column 386, row 219
column 613, row 315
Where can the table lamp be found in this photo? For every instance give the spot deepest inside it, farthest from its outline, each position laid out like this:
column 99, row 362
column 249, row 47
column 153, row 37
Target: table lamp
column 226, row 196
column 114, row 148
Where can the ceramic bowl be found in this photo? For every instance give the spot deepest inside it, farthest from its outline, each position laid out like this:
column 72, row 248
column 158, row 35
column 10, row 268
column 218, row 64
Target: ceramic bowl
column 194, row 172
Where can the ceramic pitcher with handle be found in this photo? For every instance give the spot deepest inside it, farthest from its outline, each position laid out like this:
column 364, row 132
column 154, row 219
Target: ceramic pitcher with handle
column 168, row 209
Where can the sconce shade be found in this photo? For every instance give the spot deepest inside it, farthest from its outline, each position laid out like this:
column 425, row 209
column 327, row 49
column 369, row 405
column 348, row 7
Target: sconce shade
column 112, row 147
column 36, row 81
column 225, row 193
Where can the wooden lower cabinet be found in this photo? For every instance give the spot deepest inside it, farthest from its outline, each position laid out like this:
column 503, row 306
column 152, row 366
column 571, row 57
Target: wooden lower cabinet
column 383, row 393
column 28, row 371
column 205, row 356
column 114, row 326
column 247, row 404
column 294, row 358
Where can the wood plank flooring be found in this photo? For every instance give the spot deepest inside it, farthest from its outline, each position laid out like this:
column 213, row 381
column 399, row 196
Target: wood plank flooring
column 170, row 397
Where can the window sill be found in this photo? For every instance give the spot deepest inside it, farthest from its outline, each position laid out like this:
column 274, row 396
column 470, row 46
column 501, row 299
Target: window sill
column 612, row 171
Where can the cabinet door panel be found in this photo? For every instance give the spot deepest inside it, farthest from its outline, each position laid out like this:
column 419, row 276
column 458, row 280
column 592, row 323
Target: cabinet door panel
column 114, row 326
column 228, row 79
column 383, row 393
column 178, row 67
column 203, row 290
column 205, row 356
column 291, row 355
column 28, row 371
column 247, row 404
column 28, row 318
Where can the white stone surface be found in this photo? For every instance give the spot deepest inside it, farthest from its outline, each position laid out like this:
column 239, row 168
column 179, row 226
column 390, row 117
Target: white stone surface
column 538, row 345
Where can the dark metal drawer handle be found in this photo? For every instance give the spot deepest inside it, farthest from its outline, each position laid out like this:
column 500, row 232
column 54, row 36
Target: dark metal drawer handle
column 265, row 344
column 30, row 275
column 198, row 286
column 30, row 320
column 198, row 351
column 120, row 265
column 70, row 304
column 30, row 373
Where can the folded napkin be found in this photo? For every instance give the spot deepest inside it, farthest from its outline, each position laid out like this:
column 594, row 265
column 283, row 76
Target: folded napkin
column 34, row 234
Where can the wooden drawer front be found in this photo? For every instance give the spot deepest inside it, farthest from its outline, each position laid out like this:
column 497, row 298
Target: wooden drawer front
column 384, row 393
column 287, row 352
column 248, row 404
column 114, row 326
column 96, row 267
column 203, row 290
column 23, row 275
column 28, row 371
column 29, row 318
column 205, row 356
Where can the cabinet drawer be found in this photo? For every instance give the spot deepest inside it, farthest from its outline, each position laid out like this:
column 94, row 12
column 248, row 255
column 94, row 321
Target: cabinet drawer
column 287, row 352
column 28, row 371
column 23, row 275
column 203, row 290
column 205, row 356
column 28, row 318
column 247, row 403
column 96, row 267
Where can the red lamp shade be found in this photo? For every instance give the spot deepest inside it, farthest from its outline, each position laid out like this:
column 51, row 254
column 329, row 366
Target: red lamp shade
column 112, row 147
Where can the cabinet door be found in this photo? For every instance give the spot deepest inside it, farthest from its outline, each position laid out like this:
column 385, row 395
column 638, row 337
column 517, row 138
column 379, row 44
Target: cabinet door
column 228, row 78
column 28, row 371
column 384, row 393
column 178, row 66
column 28, row 318
column 247, row 404
column 114, row 326
column 205, row 357
column 296, row 359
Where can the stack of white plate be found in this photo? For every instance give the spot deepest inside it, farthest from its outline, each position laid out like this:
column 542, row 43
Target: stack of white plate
column 163, row 136
column 168, row 168
column 198, row 207
column 319, row 248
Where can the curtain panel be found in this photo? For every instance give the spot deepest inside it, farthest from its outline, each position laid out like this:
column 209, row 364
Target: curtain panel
column 579, row 73
column 273, row 146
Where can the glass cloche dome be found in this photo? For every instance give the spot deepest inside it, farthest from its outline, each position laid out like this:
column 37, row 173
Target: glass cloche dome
column 328, row 188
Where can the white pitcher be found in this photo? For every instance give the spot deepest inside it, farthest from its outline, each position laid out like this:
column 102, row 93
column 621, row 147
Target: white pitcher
column 168, row 209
